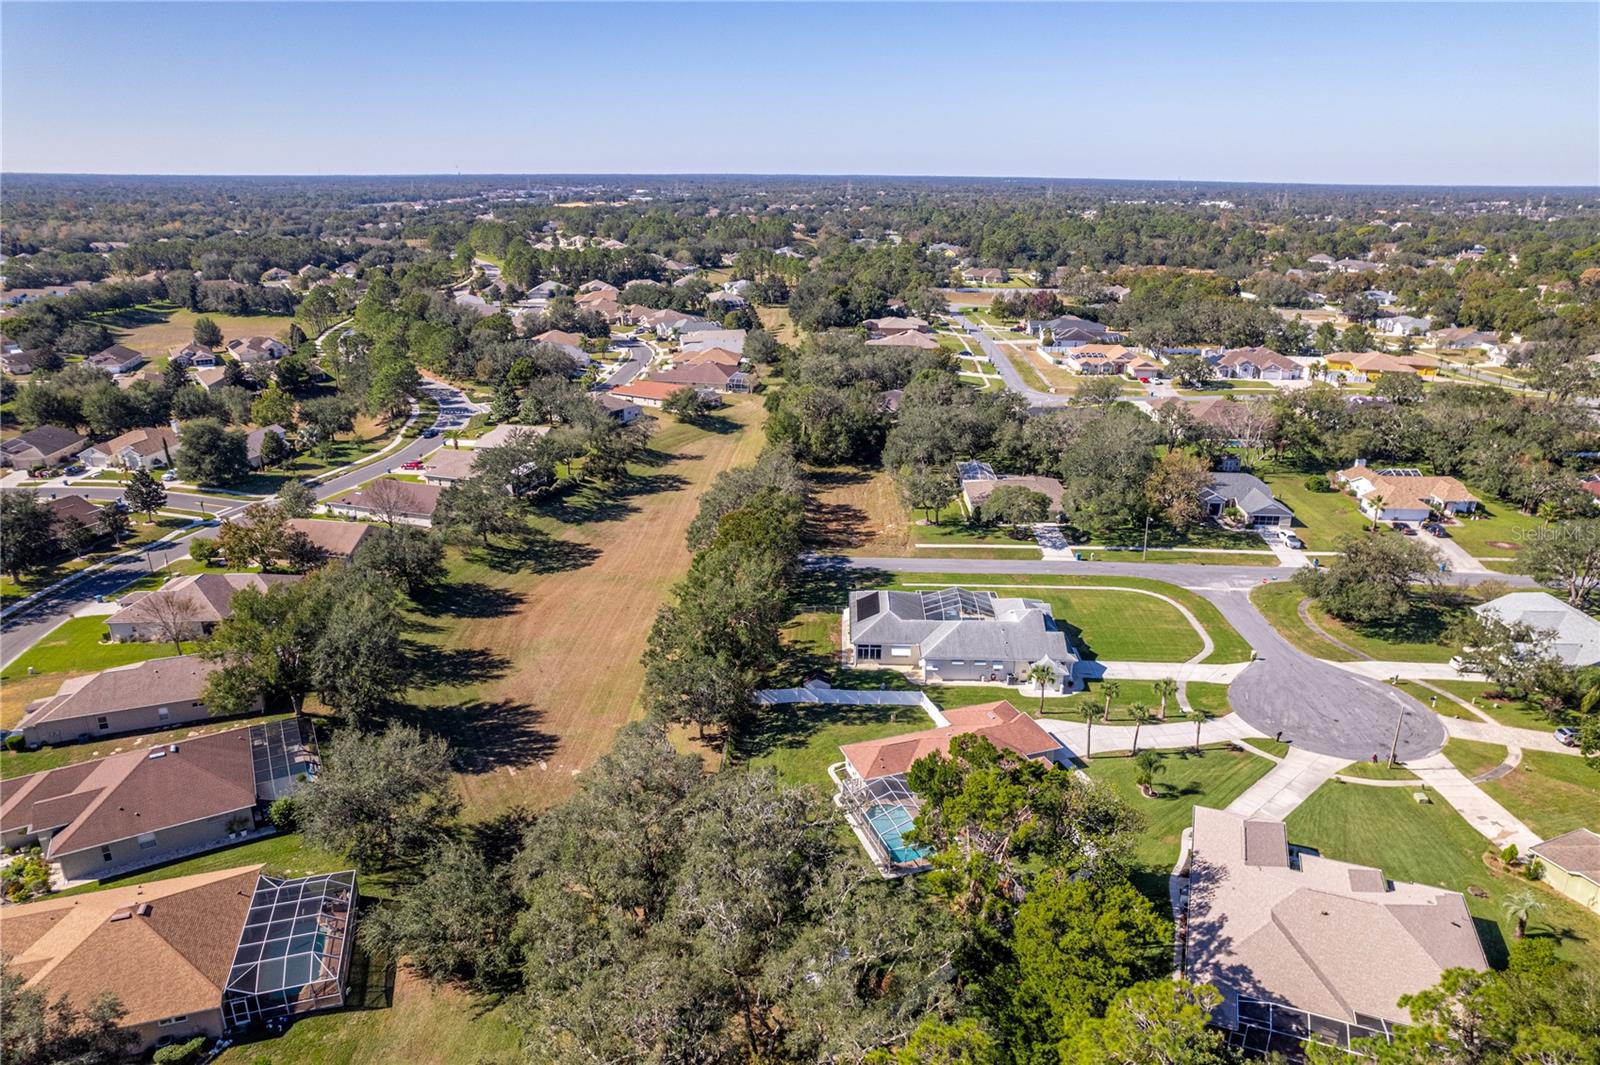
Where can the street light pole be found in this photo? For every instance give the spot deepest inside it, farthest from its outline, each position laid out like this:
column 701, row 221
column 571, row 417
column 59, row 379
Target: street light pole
column 1395, row 746
column 1145, row 550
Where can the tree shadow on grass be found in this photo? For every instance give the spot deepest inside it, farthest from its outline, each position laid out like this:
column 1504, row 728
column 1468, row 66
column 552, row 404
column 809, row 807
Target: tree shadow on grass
column 431, row 666
column 1431, row 616
column 499, row 839
column 487, row 734
column 467, row 599
column 827, row 581
column 531, row 550
column 594, row 502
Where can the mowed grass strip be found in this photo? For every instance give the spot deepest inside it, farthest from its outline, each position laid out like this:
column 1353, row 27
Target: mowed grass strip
column 1473, row 756
column 1551, row 793
column 70, row 649
column 799, row 741
column 1432, row 844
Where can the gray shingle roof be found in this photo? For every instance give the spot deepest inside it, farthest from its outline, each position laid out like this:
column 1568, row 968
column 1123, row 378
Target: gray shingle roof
column 1245, row 491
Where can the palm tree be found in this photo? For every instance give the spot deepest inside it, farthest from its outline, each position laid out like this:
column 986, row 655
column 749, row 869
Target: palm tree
column 1166, row 688
column 1088, row 722
column 1149, row 766
column 1375, row 501
column 1042, row 673
column 1201, row 716
column 1520, row 906
column 1141, row 717
column 1111, row 689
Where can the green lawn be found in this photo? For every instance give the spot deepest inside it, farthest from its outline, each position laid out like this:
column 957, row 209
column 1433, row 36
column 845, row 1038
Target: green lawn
column 282, row 855
column 1418, row 637
column 1551, row 793
column 950, row 696
column 1121, row 626
column 1442, row 705
column 800, row 741
column 1473, row 756
column 1261, row 743
column 1516, row 713
column 1377, row 771
column 75, row 646
column 1497, row 531
column 1279, row 603
column 1127, row 614
column 1432, row 844
column 1321, row 519
column 143, row 533
column 1214, row 777
column 1206, row 696
column 1128, row 693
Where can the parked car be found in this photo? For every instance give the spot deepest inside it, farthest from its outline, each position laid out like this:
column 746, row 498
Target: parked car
column 1435, row 529
column 429, row 433
column 1567, row 736
column 170, row 476
column 76, row 468
column 414, row 464
column 1402, row 527
column 1289, row 539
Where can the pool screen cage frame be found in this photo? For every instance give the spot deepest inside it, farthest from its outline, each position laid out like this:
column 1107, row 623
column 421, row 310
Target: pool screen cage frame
column 860, row 794
column 1273, row 1026
column 294, row 950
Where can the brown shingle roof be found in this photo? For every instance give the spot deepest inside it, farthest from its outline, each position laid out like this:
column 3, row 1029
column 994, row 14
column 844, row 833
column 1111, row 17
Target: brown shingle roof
column 1000, row 723
column 207, row 595
column 143, row 442
column 137, row 791
column 172, row 960
column 177, row 679
column 415, row 500
column 338, row 538
column 1577, row 852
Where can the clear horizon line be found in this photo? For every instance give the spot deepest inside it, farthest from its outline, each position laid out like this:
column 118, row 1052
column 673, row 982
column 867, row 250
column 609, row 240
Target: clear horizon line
column 658, row 175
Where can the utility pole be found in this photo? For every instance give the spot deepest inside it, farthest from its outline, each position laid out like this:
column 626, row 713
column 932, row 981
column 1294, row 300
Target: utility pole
column 1395, row 746
column 1145, row 550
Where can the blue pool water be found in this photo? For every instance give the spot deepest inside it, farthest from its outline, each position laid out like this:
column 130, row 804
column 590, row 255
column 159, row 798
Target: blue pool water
column 891, row 823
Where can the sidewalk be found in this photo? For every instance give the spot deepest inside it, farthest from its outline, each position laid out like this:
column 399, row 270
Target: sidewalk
column 1183, row 672
column 1381, row 670
column 1168, row 735
column 1289, row 784
column 1480, row 811
column 1506, row 736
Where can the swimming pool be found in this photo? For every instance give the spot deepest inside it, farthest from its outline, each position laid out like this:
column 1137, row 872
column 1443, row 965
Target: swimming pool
column 890, row 822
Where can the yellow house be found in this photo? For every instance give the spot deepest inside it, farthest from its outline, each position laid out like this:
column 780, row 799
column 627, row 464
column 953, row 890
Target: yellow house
column 1371, row 365
column 1572, row 866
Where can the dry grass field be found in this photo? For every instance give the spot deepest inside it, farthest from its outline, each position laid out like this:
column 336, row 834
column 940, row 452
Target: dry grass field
column 155, row 332
column 856, row 512
column 534, row 648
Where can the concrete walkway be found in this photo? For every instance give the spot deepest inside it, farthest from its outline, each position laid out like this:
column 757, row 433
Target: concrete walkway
column 1289, row 784
column 1170, row 735
column 1471, row 802
column 1506, row 736
column 1183, row 672
column 1379, row 669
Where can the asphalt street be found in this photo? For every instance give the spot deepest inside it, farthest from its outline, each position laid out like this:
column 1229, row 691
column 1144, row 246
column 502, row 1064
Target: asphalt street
column 1001, row 361
column 26, row 627
column 1313, row 704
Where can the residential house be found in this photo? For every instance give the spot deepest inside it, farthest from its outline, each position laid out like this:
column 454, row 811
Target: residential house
column 176, row 954
column 1236, row 422
column 727, row 301
column 975, row 492
column 1261, row 364
column 1404, row 494
column 1095, row 358
column 1571, row 863
column 48, row 445
column 1068, row 331
column 985, row 275
column 908, row 339
column 890, row 399
column 570, row 343
column 1357, row 266
column 116, row 359
column 720, row 356
column 1382, row 297
column 1322, row 260
column 1144, row 369
column 136, row 449
column 253, row 350
column 879, row 327
column 277, row 277
column 157, row 693
column 448, row 465
column 597, row 286
column 957, row 634
column 1371, row 365
column 712, row 375
column 877, row 798
column 620, row 410
column 210, row 377
column 192, row 605
column 347, row 269
column 193, row 354
column 137, row 808
column 1465, row 339
column 335, row 539
column 1403, row 325
column 1250, row 496
column 652, row 393
column 503, row 434
column 706, row 339
column 75, row 508
column 1574, row 636
column 547, row 290
column 389, row 500
column 254, row 438
column 21, row 363
column 1302, row 946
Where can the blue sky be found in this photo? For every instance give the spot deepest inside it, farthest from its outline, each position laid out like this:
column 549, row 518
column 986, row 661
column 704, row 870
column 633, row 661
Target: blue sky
column 1427, row 93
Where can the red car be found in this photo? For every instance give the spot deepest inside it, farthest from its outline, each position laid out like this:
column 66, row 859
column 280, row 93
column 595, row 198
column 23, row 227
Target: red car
column 412, row 465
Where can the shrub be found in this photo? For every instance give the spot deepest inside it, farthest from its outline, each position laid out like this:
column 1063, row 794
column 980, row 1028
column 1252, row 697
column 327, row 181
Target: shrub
column 15, row 741
column 181, row 1053
column 1316, row 483
column 1534, row 870
column 1508, row 854
column 282, row 813
column 203, row 550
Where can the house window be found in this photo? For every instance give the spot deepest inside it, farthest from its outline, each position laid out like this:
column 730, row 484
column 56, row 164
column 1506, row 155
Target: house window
column 102, row 723
column 170, row 1021
column 869, row 652
column 105, row 853
column 998, row 665
column 958, row 662
column 900, row 652
column 146, row 840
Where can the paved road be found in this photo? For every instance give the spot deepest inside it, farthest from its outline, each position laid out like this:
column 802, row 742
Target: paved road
column 22, row 630
column 1001, row 360
column 1316, row 705
column 641, row 354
